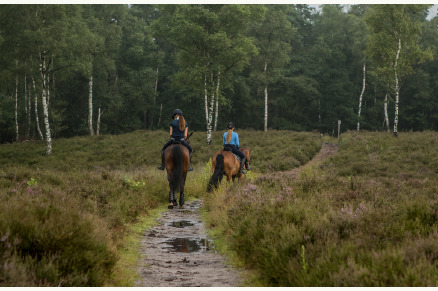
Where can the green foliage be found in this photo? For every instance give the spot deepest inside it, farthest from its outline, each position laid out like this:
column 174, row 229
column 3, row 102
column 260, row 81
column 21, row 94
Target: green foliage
column 147, row 60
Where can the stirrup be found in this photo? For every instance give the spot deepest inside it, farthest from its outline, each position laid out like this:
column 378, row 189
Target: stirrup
column 161, row 167
column 189, row 169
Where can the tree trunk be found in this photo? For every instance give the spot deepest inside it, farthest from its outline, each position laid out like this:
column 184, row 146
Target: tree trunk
column 385, row 109
column 210, row 113
column 90, row 105
column 206, row 99
column 266, row 96
column 397, row 89
column 43, row 73
column 98, row 122
column 16, row 105
column 26, row 132
column 159, row 116
column 155, row 99
column 360, row 98
column 217, row 101
column 29, row 108
column 37, row 121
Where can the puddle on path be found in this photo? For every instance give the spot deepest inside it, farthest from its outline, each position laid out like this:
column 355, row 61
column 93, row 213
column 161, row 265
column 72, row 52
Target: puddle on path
column 181, row 223
column 187, row 245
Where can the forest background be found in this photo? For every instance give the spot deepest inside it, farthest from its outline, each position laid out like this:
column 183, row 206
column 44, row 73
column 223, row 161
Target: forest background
column 69, row 70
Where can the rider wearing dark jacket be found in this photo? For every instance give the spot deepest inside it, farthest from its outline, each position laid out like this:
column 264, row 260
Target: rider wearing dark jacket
column 178, row 132
column 231, row 142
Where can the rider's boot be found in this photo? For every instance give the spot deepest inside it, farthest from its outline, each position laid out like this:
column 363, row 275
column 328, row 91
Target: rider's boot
column 242, row 164
column 190, row 162
column 162, row 166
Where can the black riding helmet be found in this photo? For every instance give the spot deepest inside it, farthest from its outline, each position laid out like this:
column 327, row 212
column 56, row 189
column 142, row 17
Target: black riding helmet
column 230, row 125
column 176, row 112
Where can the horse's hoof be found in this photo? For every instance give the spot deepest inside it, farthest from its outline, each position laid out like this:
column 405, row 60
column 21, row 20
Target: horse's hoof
column 170, row 206
column 175, row 203
column 181, row 206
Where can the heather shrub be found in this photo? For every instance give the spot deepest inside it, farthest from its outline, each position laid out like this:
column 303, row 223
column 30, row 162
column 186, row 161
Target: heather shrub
column 366, row 216
column 64, row 219
column 46, row 240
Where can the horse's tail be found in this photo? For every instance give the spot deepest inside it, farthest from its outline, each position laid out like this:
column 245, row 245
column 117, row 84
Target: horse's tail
column 178, row 163
column 218, row 173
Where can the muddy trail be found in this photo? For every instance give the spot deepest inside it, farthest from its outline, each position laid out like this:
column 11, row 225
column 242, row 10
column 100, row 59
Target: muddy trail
column 177, row 252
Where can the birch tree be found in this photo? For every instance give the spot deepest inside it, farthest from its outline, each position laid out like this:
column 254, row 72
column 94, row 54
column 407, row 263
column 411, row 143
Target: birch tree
column 393, row 44
column 211, row 42
column 361, row 96
column 54, row 31
column 273, row 35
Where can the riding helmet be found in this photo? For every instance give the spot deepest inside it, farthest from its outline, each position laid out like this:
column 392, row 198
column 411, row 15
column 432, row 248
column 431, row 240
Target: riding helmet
column 230, row 125
column 176, row 112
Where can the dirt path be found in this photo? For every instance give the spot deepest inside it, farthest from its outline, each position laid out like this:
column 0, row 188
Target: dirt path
column 326, row 151
column 178, row 252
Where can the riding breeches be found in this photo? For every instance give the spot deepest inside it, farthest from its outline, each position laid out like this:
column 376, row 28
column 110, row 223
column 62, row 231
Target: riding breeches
column 182, row 141
column 234, row 150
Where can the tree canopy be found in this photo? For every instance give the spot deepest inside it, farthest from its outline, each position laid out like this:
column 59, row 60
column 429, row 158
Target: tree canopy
column 215, row 62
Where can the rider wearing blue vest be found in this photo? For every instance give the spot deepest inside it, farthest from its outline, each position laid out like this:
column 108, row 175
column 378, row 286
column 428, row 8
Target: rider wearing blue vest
column 178, row 132
column 231, row 141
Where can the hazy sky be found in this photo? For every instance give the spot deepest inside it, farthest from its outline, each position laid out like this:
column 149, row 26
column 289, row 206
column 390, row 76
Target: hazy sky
column 432, row 11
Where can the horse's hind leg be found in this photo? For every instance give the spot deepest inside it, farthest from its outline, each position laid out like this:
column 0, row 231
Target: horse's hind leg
column 170, row 206
column 181, row 197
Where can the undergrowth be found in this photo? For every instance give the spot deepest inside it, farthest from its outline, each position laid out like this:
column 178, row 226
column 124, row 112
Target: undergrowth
column 69, row 219
column 366, row 216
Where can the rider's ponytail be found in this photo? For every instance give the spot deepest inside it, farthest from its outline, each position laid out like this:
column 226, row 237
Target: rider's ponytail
column 229, row 134
column 182, row 123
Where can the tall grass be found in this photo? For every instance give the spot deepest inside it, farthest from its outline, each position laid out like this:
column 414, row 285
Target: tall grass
column 367, row 216
column 66, row 220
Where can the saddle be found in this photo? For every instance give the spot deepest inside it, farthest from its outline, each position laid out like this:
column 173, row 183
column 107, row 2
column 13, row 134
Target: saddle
column 177, row 140
column 229, row 150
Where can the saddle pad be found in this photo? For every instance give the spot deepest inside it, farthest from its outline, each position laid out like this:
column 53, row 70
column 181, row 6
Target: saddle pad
column 238, row 158
column 229, row 150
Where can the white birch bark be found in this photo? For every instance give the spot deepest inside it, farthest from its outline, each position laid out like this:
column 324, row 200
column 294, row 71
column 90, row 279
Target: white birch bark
column 385, row 109
column 206, row 99
column 210, row 114
column 37, row 121
column 98, row 122
column 266, row 97
column 360, row 97
column 43, row 73
column 396, row 88
column 90, row 105
column 217, row 101
column 16, row 105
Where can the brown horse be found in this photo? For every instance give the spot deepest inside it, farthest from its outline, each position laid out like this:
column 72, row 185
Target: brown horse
column 176, row 158
column 225, row 162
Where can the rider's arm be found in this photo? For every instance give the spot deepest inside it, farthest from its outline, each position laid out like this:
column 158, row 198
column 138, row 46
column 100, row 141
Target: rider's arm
column 237, row 141
column 170, row 131
column 185, row 132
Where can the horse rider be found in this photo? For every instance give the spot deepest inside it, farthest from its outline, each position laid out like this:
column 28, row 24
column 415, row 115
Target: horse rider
column 231, row 142
column 178, row 133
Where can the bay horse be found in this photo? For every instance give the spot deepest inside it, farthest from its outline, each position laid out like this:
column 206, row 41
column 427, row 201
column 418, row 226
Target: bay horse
column 176, row 159
column 226, row 163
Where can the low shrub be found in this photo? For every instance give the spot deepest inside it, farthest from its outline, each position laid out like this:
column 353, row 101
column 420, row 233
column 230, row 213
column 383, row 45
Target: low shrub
column 366, row 216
